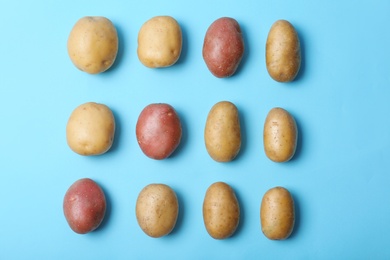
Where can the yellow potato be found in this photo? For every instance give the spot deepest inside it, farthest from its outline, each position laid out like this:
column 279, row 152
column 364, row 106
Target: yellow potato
column 159, row 42
column 277, row 214
column 222, row 132
column 283, row 52
column 93, row 44
column 90, row 129
column 157, row 209
column 221, row 211
column 280, row 135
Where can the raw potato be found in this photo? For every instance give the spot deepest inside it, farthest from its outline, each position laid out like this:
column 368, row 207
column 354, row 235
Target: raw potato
column 159, row 42
column 277, row 214
column 283, row 52
column 84, row 206
column 221, row 211
column 222, row 133
column 93, row 44
column 223, row 47
column 158, row 130
column 90, row 129
column 157, row 210
column 280, row 135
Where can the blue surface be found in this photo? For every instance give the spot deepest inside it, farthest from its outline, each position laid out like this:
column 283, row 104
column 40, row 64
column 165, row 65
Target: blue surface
column 339, row 177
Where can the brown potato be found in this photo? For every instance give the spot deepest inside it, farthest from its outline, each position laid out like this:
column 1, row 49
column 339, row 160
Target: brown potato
column 93, row 44
column 223, row 47
column 221, row 211
column 159, row 42
column 84, row 206
column 277, row 213
column 157, row 210
column 283, row 52
column 222, row 133
column 280, row 135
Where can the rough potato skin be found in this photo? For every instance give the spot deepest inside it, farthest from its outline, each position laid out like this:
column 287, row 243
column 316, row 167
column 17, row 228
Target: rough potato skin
column 221, row 211
column 84, row 206
column 157, row 209
column 283, row 52
column 223, row 47
column 280, row 135
column 158, row 130
column 277, row 214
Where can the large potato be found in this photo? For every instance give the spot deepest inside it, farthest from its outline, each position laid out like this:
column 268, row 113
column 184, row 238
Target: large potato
column 283, row 52
column 93, row 44
column 84, row 206
column 90, row 129
column 159, row 42
column 222, row 132
column 280, row 135
column 157, row 209
column 221, row 211
column 277, row 213
column 223, row 47
column 158, row 130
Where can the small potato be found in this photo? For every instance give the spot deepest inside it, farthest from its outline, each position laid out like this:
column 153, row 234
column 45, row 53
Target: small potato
column 93, row 44
column 283, row 52
column 159, row 42
column 280, row 135
column 222, row 133
column 221, row 211
column 157, row 209
column 158, row 130
column 90, row 129
column 84, row 206
column 277, row 213
column 223, row 47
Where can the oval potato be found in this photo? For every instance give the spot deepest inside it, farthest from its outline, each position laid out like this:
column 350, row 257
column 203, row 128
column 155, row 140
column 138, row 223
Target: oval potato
column 157, row 210
column 280, row 135
column 222, row 132
column 277, row 214
column 221, row 211
column 159, row 42
column 283, row 52
column 93, row 44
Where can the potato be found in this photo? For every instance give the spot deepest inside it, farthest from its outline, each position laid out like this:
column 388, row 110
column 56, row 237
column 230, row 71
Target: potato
column 157, row 209
column 158, row 130
column 283, row 52
column 277, row 213
column 159, row 42
column 280, row 135
column 84, row 206
column 93, row 44
column 223, row 47
column 221, row 211
column 222, row 133
column 90, row 129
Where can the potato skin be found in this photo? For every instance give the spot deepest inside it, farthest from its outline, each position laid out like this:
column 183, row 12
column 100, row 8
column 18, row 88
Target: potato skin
column 157, row 209
column 84, row 206
column 93, row 44
column 158, row 130
column 280, row 135
column 277, row 214
column 159, row 42
column 283, row 52
column 223, row 47
column 91, row 129
column 222, row 132
column 221, row 211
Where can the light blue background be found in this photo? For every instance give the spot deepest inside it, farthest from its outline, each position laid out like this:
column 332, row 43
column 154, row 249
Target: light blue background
column 339, row 177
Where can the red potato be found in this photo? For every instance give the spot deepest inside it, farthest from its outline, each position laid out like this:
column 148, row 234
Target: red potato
column 223, row 47
column 158, row 131
column 84, row 206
